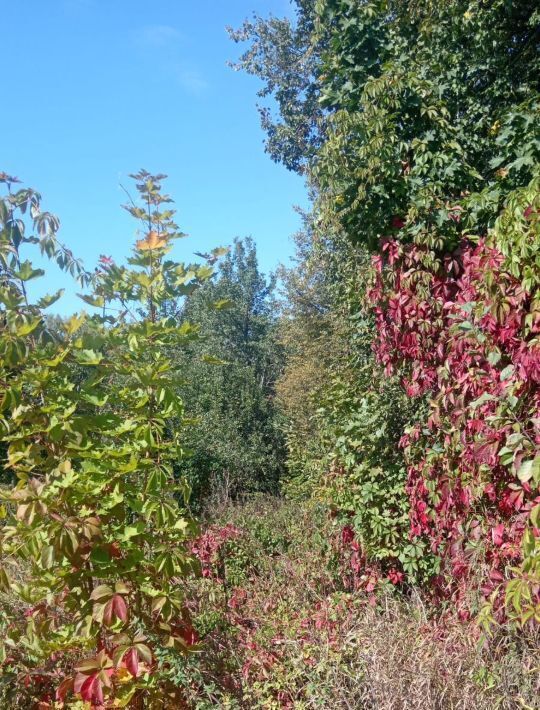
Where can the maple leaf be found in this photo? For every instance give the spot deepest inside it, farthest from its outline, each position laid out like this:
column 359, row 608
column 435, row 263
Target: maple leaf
column 153, row 240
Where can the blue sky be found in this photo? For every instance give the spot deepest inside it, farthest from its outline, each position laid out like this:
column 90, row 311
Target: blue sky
column 97, row 89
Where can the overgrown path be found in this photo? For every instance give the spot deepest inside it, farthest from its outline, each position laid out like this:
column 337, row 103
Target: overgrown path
column 285, row 629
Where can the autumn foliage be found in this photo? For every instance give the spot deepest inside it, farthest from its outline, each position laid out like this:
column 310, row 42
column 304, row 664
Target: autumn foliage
column 465, row 331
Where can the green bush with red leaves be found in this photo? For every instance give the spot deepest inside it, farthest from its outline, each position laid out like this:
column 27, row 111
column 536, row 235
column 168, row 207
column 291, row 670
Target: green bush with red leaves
column 431, row 160
column 95, row 546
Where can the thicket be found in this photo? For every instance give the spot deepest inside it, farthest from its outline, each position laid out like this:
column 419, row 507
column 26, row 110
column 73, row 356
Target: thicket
column 285, row 627
column 398, row 376
column 416, row 124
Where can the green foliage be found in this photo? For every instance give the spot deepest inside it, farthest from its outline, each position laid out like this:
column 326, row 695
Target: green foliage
column 514, row 234
column 281, row 54
column 433, row 139
column 362, row 414
column 230, row 375
column 96, row 517
column 420, row 129
column 417, row 125
column 309, row 334
column 428, row 135
column 345, row 417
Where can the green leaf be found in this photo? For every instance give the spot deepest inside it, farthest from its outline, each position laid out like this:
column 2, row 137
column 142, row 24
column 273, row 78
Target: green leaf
column 49, row 299
column 525, row 472
column 87, row 357
column 74, row 323
column 507, row 372
column 103, row 591
column 99, row 556
column 132, row 531
column 27, row 272
column 144, row 652
column 5, row 582
column 211, row 360
column 97, row 301
column 28, row 326
column 222, row 304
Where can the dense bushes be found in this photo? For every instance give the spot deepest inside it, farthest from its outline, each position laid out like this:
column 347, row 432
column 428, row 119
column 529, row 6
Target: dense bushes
column 344, row 433
column 429, row 137
column 410, row 392
column 473, row 477
column 427, row 155
column 283, row 628
column 425, row 162
column 96, row 530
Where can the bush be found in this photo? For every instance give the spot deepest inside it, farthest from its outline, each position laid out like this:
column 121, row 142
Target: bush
column 96, row 527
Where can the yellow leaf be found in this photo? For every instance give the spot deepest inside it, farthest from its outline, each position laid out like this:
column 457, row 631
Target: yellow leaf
column 153, row 240
column 123, row 675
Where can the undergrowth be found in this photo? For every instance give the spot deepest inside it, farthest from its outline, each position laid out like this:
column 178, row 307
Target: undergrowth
column 277, row 625
column 283, row 629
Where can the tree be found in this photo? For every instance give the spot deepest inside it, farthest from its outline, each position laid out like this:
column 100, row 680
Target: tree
column 283, row 55
column 425, row 120
column 236, row 441
column 308, row 332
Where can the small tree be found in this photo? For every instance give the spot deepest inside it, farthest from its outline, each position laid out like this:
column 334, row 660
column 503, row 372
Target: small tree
column 96, row 520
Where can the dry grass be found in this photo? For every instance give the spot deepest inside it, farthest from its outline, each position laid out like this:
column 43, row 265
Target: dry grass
column 400, row 660
column 332, row 649
column 297, row 638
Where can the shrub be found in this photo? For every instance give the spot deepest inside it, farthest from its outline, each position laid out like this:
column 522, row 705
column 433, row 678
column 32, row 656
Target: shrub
column 96, row 518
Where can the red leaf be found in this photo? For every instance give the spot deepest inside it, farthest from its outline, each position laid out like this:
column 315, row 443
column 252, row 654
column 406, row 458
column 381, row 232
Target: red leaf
column 89, row 687
column 120, row 607
column 497, row 534
column 189, row 635
column 131, row 659
column 395, row 576
column 347, row 535
column 115, row 608
column 63, row 689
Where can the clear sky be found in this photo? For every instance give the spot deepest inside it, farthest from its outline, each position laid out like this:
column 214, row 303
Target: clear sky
column 96, row 89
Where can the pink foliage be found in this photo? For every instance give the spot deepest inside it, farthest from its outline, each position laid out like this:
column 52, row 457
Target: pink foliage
column 208, row 547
